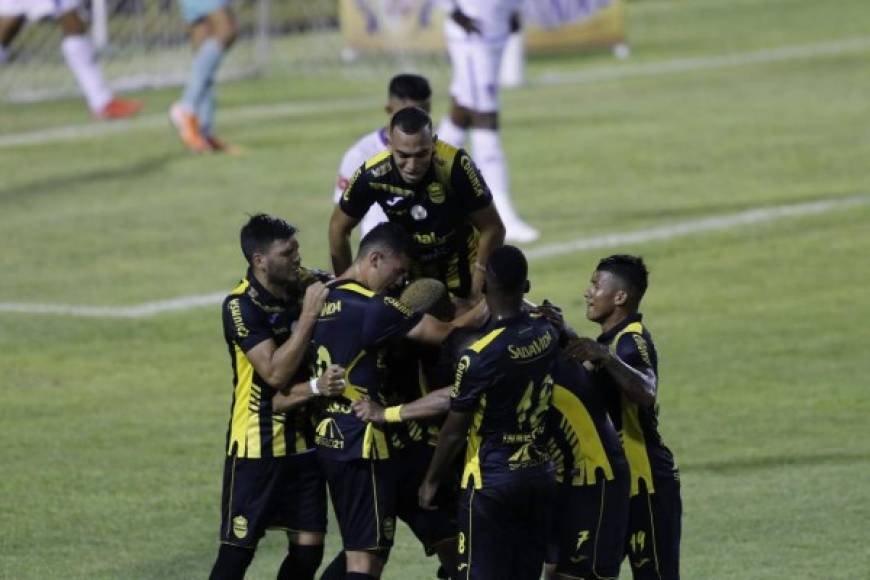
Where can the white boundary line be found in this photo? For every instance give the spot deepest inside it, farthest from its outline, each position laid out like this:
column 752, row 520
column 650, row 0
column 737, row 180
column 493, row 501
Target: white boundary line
column 610, row 72
column 714, row 223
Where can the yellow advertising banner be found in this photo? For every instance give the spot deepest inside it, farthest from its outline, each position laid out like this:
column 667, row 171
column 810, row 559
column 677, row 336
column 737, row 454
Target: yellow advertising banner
column 416, row 26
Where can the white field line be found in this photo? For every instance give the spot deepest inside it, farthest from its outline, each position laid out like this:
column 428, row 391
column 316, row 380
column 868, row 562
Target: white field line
column 784, row 53
column 792, row 52
column 722, row 222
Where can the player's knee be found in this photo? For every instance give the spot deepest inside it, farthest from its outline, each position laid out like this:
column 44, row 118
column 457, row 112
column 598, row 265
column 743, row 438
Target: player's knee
column 366, row 562
column 301, row 562
column 231, row 563
column 484, row 120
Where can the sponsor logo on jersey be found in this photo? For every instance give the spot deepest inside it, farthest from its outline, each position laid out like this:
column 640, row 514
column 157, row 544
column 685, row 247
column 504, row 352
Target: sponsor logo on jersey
column 238, row 321
column 535, row 348
column 470, row 171
column 240, row 526
column 419, row 213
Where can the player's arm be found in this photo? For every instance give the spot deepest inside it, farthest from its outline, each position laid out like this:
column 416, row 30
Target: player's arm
column 638, row 383
column 451, row 439
column 329, row 384
column 277, row 365
column 431, row 405
column 487, row 221
column 340, row 227
column 432, row 331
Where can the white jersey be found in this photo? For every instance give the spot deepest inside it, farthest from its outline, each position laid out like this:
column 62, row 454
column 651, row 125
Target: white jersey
column 491, row 16
column 37, row 9
column 367, row 147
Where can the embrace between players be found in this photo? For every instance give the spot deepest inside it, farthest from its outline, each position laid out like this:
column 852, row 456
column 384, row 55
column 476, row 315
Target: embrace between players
column 371, row 389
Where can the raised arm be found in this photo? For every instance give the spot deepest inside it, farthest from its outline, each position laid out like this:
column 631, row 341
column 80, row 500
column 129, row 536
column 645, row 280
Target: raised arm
column 277, row 365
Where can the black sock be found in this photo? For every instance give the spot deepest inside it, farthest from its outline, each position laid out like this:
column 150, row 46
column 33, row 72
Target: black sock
column 337, row 569
column 359, row 576
column 301, row 562
column 231, row 563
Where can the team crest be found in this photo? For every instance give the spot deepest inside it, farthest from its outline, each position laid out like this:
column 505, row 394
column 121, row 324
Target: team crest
column 436, row 192
column 240, row 526
column 419, row 213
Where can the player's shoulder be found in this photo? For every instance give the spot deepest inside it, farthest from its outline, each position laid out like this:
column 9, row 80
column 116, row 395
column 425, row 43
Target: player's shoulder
column 239, row 307
column 378, row 164
column 446, row 154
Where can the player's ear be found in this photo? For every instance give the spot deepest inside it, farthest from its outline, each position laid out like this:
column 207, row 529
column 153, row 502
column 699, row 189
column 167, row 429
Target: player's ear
column 620, row 298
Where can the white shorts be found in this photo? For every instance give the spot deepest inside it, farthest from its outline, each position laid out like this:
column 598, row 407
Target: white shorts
column 475, row 63
column 37, row 9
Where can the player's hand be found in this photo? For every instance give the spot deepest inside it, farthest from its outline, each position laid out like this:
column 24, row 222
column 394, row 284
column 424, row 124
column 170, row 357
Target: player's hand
column 315, row 296
column 468, row 24
column 426, row 495
column 586, row 349
column 368, row 411
column 331, row 382
column 552, row 314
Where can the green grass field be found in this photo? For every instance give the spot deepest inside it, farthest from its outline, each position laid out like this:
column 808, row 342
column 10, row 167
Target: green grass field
column 112, row 429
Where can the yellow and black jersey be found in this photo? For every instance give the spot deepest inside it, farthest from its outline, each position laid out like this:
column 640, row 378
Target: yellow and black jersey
column 638, row 426
column 251, row 315
column 581, row 439
column 353, row 330
column 504, row 379
column 434, row 212
column 406, row 379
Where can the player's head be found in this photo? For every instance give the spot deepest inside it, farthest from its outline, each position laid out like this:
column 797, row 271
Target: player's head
column 412, row 143
column 616, row 288
column 407, row 90
column 383, row 258
column 271, row 249
column 507, row 275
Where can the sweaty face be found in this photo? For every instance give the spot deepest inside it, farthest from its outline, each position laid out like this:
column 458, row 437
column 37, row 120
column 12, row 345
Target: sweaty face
column 412, row 154
column 601, row 295
column 388, row 269
column 281, row 262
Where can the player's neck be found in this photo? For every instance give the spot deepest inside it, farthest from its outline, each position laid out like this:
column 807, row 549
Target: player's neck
column 615, row 319
column 504, row 309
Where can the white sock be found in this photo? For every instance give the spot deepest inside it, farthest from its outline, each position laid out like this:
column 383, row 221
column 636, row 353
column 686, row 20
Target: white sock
column 80, row 57
column 451, row 133
column 5, row 53
column 488, row 154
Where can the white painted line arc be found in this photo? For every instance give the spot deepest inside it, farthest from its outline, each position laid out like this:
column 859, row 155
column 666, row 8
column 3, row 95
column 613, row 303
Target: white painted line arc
column 666, row 232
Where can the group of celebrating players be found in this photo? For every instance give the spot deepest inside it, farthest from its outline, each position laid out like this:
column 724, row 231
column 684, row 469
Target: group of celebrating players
column 369, row 383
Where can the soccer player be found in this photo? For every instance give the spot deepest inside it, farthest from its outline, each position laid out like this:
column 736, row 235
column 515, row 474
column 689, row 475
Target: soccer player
column 627, row 368
column 271, row 478
column 212, row 32
column 405, row 90
column 502, row 392
column 356, row 325
column 76, row 48
column 591, row 507
column 435, row 192
column 477, row 33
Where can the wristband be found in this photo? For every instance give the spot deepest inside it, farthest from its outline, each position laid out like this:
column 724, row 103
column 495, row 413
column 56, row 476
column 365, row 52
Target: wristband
column 313, row 384
column 393, row 414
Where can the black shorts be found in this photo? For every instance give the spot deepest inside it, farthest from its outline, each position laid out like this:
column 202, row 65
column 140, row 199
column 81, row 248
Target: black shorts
column 503, row 529
column 364, row 494
column 287, row 493
column 654, row 526
column 589, row 521
column 431, row 527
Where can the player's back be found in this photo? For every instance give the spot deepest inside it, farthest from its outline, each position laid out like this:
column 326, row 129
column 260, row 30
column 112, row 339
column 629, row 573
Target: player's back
column 505, row 378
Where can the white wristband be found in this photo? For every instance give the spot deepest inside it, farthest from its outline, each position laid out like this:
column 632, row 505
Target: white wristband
column 313, row 384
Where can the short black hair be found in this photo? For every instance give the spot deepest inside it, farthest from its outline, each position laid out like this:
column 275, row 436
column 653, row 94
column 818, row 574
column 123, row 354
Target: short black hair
column 386, row 236
column 411, row 120
column 630, row 270
column 410, row 87
column 508, row 269
column 260, row 231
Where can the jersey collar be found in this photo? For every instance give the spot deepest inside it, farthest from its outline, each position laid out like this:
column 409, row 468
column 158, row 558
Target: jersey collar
column 261, row 296
column 607, row 337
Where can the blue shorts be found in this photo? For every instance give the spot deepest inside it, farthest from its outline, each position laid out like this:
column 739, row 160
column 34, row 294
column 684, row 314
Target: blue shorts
column 195, row 10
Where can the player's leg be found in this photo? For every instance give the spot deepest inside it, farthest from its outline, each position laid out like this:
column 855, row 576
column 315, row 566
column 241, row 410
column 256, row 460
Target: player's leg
column 531, row 502
column 654, row 532
column 10, row 26
column 299, row 506
column 81, row 58
column 454, row 126
column 245, row 508
column 224, row 31
column 484, row 61
column 484, row 542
